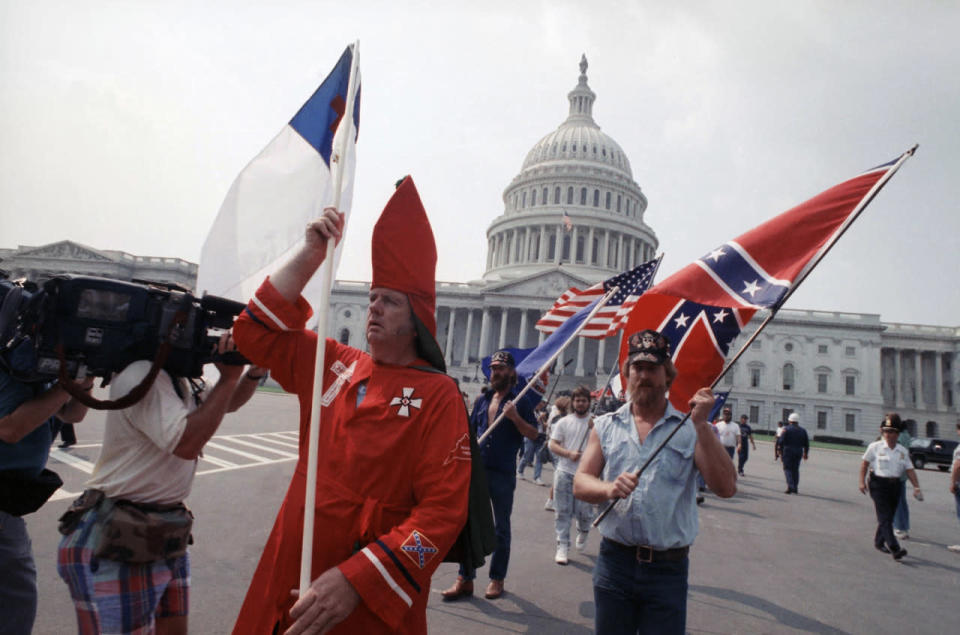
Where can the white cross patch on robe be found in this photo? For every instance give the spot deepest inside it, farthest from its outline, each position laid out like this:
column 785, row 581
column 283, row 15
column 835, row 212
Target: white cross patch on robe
column 405, row 402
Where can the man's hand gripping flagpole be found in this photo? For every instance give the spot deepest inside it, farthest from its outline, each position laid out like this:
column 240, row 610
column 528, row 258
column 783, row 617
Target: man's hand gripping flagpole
column 546, row 365
column 326, row 275
column 773, row 310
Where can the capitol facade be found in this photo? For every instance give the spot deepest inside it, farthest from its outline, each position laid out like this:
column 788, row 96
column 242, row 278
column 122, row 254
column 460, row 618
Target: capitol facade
column 573, row 216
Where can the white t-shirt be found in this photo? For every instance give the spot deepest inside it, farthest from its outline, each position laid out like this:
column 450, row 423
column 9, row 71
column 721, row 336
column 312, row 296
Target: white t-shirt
column 571, row 433
column 886, row 461
column 137, row 461
column 729, row 433
column 956, row 453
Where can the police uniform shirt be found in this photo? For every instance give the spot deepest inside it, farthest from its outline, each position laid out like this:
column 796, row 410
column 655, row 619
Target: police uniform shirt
column 887, row 462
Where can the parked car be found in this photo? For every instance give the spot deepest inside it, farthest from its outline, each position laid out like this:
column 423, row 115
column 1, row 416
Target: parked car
column 935, row 451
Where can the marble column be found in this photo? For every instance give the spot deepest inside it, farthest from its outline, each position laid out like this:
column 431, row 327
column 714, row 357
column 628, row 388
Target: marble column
column 504, row 317
column 484, row 333
column 601, row 356
column 917, row 379
column 542, row 247
column 581, row 347
column 448, row 350
column 938, row 377
column 466, row 339
column 602, row 259
column 618, row 265
column 574, row 236
column 558, row 246
column 522, row 340
column 588, row 255
column 897, row 379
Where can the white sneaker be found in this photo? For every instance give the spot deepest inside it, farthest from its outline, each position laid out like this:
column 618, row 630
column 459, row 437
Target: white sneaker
column 539, row 482
column 521, row 477
column 561, row 557
column 954, row 548
column 581, row 541
column 549, row 505
column 899, row 533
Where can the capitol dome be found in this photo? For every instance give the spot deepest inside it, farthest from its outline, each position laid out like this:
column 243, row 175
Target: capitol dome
column 574, row 204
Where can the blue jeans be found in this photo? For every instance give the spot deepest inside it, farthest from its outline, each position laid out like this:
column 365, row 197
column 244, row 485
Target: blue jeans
column 638, row 597
column 531, row 454
column 501, row 488
column 901, row 518
column 957, row 496
column 743, row 455
column 569, row 508
column 18, row 580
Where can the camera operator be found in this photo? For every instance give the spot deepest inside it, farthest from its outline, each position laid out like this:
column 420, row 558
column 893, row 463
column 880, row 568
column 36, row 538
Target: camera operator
column 27, row 429
column 124, row 551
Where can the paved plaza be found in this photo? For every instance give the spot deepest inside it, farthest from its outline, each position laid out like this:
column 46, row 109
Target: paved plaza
column 764, row 562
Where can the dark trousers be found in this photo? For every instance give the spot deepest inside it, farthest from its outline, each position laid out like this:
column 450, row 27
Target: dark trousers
column 791, row 468
column 501, row 488
column 67, row 434
column 743, row 455
column 638, row 597
column 886, row 495
column 731, row 449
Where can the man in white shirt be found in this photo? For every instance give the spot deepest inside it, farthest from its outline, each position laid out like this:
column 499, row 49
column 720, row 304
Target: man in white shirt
column 887, row 461
column 567, row 441
column 729, row 432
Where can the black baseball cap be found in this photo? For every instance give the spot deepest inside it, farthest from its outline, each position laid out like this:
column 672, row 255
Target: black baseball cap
column 647, row 346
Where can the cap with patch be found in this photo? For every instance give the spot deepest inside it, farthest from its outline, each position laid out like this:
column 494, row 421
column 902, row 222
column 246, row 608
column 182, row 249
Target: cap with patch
column 648, row 346
column 793, row 418
column 502, row 357
column 891, row 424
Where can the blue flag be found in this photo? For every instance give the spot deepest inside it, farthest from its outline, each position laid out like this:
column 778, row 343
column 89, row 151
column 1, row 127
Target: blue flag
column 721, row 398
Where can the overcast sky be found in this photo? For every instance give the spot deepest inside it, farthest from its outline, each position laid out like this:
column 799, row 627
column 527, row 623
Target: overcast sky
column 123, row 124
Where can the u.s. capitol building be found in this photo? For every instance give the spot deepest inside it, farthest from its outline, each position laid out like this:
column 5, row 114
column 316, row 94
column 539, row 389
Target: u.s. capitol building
column 839, row 371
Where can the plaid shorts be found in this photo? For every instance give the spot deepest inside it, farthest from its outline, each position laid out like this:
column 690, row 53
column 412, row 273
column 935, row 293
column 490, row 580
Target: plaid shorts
column 116, row 597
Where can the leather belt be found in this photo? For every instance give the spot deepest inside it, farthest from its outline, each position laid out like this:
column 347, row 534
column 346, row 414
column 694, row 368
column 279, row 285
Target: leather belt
column 646, row 553
column 884, row 478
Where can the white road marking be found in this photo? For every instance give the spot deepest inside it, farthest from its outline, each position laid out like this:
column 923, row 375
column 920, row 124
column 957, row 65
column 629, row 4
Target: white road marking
column 73, row 461
column 260, row 446
column 218, row 445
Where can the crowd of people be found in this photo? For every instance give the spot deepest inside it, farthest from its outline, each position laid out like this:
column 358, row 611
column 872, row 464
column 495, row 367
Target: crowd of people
column 409, row 484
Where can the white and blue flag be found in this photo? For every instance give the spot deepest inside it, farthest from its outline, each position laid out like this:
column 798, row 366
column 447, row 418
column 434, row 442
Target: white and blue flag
column 261, row 222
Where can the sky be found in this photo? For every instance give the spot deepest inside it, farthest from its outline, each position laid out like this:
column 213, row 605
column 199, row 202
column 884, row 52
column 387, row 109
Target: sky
column 123, row 124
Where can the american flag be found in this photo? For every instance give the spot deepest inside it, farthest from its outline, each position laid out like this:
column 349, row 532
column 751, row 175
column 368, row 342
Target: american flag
column 613, row 315
column 567, row 222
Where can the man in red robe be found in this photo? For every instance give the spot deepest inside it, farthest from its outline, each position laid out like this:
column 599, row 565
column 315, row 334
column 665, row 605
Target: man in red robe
column 394, row 452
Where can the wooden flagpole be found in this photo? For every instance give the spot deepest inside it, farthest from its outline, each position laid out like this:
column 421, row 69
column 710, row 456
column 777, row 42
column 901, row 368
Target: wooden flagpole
column 326, row 273
column 775, row 308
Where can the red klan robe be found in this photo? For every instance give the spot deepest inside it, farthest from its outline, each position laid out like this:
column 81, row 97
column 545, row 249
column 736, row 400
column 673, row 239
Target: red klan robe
column 392, row 480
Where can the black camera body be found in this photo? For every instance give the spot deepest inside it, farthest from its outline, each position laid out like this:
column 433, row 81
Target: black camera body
column 103, row 325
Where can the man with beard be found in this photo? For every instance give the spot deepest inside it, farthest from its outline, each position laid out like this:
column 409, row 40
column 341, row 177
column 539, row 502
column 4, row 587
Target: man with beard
column 499, row 454
column 567, row 440
column 640, row 580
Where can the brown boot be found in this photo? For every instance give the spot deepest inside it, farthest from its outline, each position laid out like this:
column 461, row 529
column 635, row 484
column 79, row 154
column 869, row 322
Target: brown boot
column 494, row 589
column 460, row 589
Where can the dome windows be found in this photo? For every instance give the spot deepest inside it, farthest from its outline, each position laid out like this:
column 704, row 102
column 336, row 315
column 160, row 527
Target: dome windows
column 544, row 197
column 556, row 195
column 607, row 202
column 583, row 196
column 596, row 198
column 570, row 195
column 533, row 198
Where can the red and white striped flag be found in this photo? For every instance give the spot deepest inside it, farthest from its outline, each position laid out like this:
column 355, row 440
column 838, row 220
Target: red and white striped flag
column 611, row 317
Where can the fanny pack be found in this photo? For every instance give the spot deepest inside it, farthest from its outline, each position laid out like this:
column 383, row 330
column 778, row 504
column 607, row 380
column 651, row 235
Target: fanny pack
column 131, row 532
column 20, row 494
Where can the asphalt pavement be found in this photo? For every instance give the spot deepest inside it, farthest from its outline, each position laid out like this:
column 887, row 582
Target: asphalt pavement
column 764, row 562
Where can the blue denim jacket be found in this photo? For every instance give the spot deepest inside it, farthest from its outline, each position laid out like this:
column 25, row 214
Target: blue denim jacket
column 662, row 511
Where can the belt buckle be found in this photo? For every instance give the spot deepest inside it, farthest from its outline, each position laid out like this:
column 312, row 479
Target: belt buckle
column 645, row 549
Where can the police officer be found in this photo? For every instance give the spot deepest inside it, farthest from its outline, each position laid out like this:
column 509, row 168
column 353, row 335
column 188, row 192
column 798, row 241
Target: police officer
column 887, row 461
column 794, row 444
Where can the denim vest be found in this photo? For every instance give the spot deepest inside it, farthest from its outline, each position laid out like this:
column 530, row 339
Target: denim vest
column 662, row 511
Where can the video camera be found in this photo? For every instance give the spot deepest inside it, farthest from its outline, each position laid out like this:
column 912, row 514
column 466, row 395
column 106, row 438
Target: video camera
column 102, row 325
